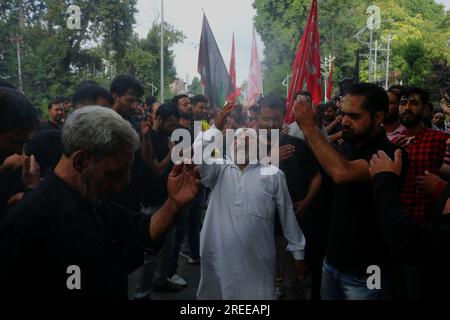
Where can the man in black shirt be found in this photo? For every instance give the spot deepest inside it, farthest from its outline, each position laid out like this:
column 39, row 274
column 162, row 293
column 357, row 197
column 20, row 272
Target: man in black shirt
column 127, row 91
column 355, row 241
column 153, row 194
column 79, row 244
column 152, row 187
column 302, row 177
column 56, row 113
column 18, row 121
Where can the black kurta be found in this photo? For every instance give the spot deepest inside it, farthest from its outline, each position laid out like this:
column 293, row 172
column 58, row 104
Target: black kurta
column 53, row 228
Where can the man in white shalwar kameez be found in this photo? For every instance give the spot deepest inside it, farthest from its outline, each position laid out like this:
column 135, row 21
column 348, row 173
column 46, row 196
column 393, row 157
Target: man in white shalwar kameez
column 237, row 240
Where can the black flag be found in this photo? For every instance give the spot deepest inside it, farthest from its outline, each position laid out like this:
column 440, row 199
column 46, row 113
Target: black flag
column 215, row 78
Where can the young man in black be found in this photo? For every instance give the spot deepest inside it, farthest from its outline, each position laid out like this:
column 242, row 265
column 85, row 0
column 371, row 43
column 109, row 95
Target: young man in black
column 302, row 176
column 18, row 121
column 153, row 193
column 355, row 243
column 126, row 92
column 56, row 113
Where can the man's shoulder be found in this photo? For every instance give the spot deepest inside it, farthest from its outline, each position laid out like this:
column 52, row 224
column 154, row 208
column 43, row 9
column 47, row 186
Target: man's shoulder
column 436, row 134
column 295, row 141
column 34, row 205
column 48, row 125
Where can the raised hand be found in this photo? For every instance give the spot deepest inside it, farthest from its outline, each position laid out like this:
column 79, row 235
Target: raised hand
column 305, row 113
column 222, row 115
column 183, row 184
column 30, row 173
column 146, row 126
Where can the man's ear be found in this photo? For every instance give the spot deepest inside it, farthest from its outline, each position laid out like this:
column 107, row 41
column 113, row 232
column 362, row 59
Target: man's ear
column 379, row 117
column 81, row 160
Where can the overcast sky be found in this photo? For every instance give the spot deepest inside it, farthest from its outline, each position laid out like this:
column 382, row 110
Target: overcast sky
column 225, row 17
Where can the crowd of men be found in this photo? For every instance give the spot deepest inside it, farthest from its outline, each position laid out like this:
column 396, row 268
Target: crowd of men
column 361, row 185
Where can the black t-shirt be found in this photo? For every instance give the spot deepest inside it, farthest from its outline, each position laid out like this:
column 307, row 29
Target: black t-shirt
column 53, row 228
column 47, row 148
column 152, row 187
column 50, row 126
column 10, row 184
column 299, row 169
column 355, row 240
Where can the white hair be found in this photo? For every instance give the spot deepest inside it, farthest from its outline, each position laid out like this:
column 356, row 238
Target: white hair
column 98, row 130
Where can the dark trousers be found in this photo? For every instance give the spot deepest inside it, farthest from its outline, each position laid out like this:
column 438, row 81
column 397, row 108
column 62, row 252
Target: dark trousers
column 188, row 222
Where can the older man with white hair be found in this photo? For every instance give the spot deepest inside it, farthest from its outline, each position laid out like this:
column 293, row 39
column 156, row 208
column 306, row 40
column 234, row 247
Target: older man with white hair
column 64, row 239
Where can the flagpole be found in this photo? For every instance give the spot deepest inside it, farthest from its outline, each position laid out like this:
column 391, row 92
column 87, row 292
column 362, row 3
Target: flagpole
column 162, row 51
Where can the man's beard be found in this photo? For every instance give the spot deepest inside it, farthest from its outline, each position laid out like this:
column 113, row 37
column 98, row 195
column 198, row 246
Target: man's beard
column 351, row 137
column 411, row 122
column 328, row 119
column 127, row 113
column 87, row 188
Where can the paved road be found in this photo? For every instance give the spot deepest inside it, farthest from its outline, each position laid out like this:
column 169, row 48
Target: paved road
column 189, row 272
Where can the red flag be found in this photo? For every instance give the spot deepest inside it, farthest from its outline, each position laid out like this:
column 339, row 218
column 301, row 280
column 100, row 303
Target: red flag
column 255, row 88
column 306, row 72
column 330, row 83
column 235, row 92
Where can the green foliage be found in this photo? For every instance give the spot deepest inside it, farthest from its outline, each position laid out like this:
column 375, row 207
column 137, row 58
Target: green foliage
column 421, row 27
column 195, row 86
column 56, row 59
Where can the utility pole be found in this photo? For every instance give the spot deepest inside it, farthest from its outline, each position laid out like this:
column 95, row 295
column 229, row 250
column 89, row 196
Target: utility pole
column 375, row 67
column 370, row 55
column 17, row 40
column 388, row 58
column 285, row 83
column 326, row 64
column 162, row 51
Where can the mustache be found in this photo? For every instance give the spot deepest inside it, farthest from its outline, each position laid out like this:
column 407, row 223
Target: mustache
column 407, row 112
column 347, row 129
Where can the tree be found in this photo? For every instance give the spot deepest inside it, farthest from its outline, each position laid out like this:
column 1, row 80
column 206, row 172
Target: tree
column 418, row 24
column 195, row 86
column 55, row 59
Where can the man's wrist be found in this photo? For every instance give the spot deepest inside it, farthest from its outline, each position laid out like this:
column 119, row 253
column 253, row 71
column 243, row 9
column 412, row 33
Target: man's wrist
column 172, row 205
column 309, row 129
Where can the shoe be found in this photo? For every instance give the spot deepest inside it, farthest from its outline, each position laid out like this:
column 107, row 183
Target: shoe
column 177, row 280
column 167, row 287
column 189, row 258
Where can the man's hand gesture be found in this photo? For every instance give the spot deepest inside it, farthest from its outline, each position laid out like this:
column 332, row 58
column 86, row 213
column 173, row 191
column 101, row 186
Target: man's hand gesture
column 183, row 184
column 146, row 126
column 31, row 176
column 382, row 163
column 222, row 115
column 305, row 113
